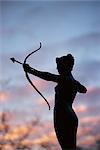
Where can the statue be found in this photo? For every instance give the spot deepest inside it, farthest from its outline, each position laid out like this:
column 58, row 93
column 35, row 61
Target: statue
column 65, row 119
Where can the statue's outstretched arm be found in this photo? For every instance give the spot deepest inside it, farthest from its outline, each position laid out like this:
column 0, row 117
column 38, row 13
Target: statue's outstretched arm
column 41, row 74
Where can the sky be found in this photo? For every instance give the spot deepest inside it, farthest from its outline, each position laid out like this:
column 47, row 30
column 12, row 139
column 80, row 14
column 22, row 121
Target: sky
column 62, row 27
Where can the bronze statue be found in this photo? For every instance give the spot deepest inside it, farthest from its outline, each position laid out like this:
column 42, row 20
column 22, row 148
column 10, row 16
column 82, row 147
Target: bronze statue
column 65, row 119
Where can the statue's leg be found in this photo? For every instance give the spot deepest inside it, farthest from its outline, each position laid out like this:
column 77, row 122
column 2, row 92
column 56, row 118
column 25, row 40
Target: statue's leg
column 66, row 138
column 66, row 130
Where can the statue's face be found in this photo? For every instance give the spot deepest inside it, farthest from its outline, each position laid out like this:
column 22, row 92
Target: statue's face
column 60, row 70
column 63, row 70
column 64, row 66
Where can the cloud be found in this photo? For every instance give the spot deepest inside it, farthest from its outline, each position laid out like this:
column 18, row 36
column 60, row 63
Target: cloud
column 89, row 141
column 88, row 39
column 81, row 108
column 4, row 96
column 16, row 95
column 90, row 120
column 93, row 110
column 10, row 70
column 93, row 95
column 41, row 133
column 26, row 90
column 17, row 132
column 88, row 104
column 88, row 131
column 90, row 71
column 14, row 92
column 49, row 138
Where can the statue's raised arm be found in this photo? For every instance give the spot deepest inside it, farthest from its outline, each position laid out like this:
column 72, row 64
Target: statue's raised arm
column 41, row 74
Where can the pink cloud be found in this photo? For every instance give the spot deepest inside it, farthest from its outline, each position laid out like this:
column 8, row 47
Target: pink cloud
column 88, row 131
column 42, row 85
column 82, row 108
column 4, row 96
column 89, row 141
column 90, row 120
column 91, row 98
column 93, row 90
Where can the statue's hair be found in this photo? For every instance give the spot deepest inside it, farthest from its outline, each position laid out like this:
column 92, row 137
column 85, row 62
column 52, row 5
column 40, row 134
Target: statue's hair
column 65, row 60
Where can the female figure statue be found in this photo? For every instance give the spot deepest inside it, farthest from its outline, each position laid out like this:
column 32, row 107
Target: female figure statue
column 65, row 119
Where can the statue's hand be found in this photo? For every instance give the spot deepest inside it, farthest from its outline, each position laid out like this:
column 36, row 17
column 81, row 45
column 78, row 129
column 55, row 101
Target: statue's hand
column 26, row 67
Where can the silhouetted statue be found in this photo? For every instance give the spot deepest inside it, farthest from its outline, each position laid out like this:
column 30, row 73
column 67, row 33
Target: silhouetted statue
column 65, row 119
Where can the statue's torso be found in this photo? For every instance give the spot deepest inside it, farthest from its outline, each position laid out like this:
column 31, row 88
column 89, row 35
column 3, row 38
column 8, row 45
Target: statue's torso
column 65, row 91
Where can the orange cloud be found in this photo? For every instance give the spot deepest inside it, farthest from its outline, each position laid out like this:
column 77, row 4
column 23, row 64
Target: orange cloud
column 81, row 108
column 51, row 137
column 18, row 132
column 7, row 147
column 38, row 134
column 4, row 96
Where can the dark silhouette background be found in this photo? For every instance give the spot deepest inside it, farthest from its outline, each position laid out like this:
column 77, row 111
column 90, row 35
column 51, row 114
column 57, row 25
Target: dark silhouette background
column 65, row 119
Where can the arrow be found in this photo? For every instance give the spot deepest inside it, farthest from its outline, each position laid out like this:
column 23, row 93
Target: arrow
column 14, row 60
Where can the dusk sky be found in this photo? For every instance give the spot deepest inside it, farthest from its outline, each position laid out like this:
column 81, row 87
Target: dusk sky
column 62, row 27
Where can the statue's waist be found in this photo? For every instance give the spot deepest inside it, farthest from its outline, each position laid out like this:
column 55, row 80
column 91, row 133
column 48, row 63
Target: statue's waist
column 63, row 104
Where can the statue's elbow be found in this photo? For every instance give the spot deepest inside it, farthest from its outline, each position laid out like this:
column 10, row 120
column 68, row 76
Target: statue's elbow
column 85, row 90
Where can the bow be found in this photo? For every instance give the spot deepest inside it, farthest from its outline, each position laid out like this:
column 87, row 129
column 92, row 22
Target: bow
column 27, row 76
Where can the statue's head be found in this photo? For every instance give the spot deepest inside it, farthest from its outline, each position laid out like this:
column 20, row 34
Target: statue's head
column 65, row 64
